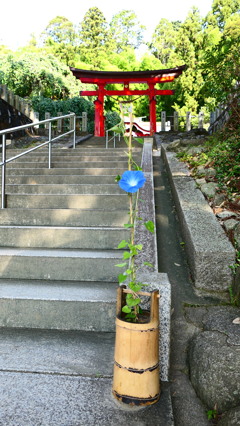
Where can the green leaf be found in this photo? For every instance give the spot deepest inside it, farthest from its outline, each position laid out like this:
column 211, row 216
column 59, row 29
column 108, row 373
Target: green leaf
column 122, row 278
column 122, row 244
column 126, row 309
column 128, row 225
column 148, row 264
column 139, row 140
column 126, row 255
column 135, row 287
column 121, row 265
column 133, row 302
column 117, row 178
column 130, row 317
column 149, row 226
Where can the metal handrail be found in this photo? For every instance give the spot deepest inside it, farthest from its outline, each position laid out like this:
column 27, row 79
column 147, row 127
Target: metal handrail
column 49, row 143
column 114, row 134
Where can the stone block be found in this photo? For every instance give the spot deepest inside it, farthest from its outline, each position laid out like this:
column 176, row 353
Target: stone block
column 210, row 253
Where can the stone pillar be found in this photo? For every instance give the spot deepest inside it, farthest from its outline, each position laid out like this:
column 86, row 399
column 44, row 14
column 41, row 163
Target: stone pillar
column 71, row 124
column 188, row 121
column 47, row 116
column 59, row 122
column 200, row 119
column 11, row 99
column 16, row 102
column 163, row 121
column 36, row 120
column 175, row 121
column 4, row 92
column 84, row 122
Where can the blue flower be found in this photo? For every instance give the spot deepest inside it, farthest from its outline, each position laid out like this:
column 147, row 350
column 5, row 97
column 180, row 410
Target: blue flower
column 131, row 181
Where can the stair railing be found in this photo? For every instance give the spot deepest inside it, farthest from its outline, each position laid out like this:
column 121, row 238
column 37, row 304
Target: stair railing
column 51, row 139
column 116, row 131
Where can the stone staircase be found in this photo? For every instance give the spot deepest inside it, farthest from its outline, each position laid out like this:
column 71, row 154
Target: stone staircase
column 58, row 239
column 58, row 281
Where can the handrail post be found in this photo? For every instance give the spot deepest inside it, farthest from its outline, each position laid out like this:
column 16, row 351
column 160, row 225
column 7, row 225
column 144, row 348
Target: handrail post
column 50, row 145
column 74, row 131
column 107, row 139
column 3, row 171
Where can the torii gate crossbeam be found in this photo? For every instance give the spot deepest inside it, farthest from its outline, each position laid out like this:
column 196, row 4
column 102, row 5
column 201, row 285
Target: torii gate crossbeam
column 102, row 78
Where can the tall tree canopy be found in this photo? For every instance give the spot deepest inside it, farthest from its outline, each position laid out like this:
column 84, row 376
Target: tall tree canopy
column 222, row 65
column 94, row 37
column 126, row 31
column 164, row 40
column 60, row 30
column 221, row 11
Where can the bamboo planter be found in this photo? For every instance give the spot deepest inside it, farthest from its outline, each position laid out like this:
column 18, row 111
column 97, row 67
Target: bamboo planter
column 136, row 363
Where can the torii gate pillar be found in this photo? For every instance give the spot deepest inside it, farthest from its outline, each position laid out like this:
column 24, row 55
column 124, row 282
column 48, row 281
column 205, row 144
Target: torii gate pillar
column 152, row 110
column 99, row 113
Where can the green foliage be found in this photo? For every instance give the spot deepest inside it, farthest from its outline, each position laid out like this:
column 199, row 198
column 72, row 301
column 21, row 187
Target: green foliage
column 233, row 298
column 94, row 37
column 223, row 153
column 30, row 74
column 221, row 11
column 111, row 119
column 60, row 30
column 222, row 65
column 125, row 31
column 75, row 104
column 212, row 414
column 164, row 40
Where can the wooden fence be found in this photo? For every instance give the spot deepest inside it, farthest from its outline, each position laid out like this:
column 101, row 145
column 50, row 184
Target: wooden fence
column 24, row 108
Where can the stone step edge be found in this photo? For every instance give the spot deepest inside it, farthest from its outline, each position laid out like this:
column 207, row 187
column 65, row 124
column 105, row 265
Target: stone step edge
column 210, row 253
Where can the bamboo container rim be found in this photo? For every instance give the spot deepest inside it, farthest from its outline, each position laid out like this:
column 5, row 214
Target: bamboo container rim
column 141, row 293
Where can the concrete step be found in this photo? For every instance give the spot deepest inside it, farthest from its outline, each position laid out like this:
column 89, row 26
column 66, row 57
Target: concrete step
column 57, row 352
column 65, row 378
column 62, row 237
column 59, row 305
column 81, row 171
column 73, row 158
column 60, row 264
column 64, row 164
column 60, row 179
column 42, row 201
column 103, row 189
column 64, row 217
column 70, row 151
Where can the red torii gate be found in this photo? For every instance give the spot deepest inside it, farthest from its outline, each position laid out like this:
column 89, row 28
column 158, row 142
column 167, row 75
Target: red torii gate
column 102, row 78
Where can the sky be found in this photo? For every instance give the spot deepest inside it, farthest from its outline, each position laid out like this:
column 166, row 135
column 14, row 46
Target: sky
column 20, row 19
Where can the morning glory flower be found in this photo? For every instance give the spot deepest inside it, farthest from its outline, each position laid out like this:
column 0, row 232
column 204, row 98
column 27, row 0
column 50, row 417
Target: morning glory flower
column 131, row 180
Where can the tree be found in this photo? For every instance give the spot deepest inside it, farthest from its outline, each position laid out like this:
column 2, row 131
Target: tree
column 60, row 39
column 221, row 12
column 28, row 74
column 222, row 65
column 94, row 37
column 164, row 40
column 126, row 31
column 60, row 30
